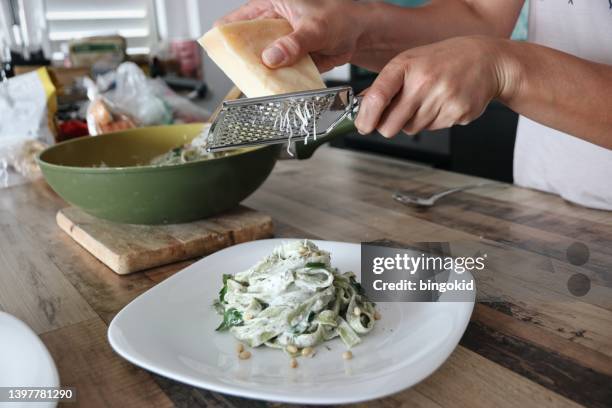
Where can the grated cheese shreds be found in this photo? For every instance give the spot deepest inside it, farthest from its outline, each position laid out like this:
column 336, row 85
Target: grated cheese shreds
column 296, row 115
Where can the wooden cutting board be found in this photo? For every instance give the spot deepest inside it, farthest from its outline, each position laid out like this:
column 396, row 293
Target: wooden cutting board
column 127, row 248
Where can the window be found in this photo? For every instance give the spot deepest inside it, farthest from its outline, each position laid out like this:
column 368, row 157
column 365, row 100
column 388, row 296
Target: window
column 72, row 19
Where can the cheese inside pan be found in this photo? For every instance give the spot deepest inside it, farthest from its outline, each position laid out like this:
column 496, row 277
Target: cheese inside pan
column 236, row 48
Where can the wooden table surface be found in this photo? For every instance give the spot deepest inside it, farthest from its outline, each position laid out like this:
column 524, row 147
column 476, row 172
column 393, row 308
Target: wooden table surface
column 537, row 345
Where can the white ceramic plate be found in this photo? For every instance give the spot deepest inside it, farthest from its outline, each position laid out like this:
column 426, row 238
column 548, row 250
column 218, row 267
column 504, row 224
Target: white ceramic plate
column 24, row 359
column 170, row 330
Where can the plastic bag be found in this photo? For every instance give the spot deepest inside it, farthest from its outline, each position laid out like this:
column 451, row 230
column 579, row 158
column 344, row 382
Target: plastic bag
column 27, row 108
column 149, row 101
column 126, row 97
column 183, row 110
column 132, row 94
column 102, row 115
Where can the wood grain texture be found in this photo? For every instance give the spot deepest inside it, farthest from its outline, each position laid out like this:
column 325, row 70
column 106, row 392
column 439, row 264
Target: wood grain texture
column 105, row 291
column 550, row 369
column 102, row 378
column 34, row 207
column 468, row 379
column 127, row 248
column 535, row 335
column 31, row 287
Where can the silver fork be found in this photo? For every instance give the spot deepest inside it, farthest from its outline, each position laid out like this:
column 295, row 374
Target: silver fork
column 413, row 199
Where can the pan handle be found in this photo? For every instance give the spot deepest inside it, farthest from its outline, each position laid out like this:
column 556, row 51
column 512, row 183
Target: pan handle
column 303, row 151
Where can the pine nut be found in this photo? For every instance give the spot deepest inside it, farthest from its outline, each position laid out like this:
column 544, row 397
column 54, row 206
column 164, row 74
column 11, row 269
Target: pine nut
column 294, row 363
column 239, row 348
column 377, row 315
column 357, row 311
column 306, row 351
column 248, row 316
column 245, row 355
column 292, row 349
column 347, row 355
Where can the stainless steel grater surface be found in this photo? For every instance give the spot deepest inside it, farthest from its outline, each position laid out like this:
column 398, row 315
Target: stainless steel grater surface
column 280, row 118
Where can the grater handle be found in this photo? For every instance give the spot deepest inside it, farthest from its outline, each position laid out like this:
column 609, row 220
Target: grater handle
column 345, row 125
column 354, row 108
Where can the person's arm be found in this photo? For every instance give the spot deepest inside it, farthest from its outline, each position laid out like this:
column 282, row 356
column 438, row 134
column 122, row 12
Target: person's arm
column 391, row 29
column 452, row 81
column 369, row 34
column 560, row 91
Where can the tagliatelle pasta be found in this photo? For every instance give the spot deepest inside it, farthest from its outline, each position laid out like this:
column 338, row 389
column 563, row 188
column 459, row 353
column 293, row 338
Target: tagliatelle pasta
column 294, row 298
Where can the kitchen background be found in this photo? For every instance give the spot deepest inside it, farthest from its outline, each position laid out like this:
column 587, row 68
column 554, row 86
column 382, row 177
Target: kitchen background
column 41, row 32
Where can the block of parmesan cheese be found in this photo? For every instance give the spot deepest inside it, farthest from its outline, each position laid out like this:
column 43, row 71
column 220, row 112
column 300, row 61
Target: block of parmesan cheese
column 236, row 48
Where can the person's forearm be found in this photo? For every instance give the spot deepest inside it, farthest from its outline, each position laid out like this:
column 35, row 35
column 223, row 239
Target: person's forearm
column 389, row 29
column 559, row 90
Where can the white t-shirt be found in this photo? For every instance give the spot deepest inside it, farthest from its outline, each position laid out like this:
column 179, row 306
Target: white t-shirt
column 549, row 160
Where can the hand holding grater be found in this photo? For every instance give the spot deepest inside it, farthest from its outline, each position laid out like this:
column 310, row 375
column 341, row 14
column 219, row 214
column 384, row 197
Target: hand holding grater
column 278, row 119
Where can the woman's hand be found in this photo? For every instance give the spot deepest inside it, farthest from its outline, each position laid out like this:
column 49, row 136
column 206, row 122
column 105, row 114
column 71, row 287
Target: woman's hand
column 327, row 29
column 436, row 86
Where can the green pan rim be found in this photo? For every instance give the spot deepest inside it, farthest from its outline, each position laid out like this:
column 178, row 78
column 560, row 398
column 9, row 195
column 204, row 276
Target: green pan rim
column 134, row 169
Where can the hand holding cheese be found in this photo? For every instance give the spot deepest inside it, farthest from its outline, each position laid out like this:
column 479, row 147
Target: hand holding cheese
column 237, row 47
column 328, row 30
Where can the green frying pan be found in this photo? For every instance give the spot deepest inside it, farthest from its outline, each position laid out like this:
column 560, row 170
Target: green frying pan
column 108, row 176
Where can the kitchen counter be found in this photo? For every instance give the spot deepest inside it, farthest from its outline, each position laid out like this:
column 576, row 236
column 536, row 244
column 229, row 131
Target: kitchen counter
column 536, row 345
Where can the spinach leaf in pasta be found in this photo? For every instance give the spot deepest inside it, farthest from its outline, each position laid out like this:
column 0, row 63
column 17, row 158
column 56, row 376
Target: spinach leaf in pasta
column 231, row 318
